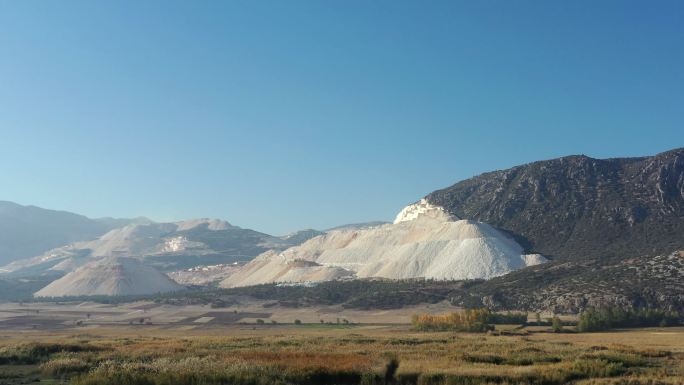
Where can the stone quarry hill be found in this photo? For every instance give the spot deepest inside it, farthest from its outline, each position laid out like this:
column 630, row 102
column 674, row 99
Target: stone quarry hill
column 112, row 276
column 577, row 206
column 423, row 242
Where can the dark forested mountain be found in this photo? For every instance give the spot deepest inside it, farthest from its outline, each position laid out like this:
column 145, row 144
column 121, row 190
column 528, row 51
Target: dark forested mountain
column 26, row 231
column 577, row 206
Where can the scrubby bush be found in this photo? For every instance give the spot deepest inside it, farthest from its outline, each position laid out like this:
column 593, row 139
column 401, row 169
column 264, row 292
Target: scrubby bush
column 209, row 371
column 597, row 368
column 34, row 353
column 62, row 366
column 556, row 325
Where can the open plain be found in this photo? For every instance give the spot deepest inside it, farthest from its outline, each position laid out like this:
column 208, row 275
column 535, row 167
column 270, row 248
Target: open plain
column 147, row 343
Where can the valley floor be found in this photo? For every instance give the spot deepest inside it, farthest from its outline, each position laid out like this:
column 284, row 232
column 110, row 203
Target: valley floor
column 186, row 345
column 87, row 315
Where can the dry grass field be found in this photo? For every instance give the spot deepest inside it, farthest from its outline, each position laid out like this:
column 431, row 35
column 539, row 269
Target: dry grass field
column 337, row 354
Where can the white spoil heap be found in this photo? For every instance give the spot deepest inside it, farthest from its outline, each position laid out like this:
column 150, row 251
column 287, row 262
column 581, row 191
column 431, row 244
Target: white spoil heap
column 110, row 276
column 424, row 241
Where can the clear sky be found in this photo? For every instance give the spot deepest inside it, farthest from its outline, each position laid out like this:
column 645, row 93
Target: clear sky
column 281, row 115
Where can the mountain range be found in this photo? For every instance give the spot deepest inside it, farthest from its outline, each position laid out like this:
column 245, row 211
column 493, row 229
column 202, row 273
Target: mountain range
column 559, row 234
column 27, row 231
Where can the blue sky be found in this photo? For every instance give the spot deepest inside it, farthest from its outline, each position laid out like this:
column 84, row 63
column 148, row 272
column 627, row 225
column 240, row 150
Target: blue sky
column 280, row 115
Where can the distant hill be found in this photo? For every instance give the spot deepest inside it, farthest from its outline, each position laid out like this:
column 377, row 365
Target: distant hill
column 26, row 231
column 580, row 207
column 301, row 236
column 357, row 226
column 167, row 246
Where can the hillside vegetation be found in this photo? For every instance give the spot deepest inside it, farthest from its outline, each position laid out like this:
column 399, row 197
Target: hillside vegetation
column 572, row 286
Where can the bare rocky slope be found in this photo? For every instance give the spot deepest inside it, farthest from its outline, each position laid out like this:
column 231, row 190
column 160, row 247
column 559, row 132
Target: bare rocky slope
column 580, row 207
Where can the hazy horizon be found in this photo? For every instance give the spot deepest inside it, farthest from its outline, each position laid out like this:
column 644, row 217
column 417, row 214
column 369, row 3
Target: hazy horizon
column 279, row 116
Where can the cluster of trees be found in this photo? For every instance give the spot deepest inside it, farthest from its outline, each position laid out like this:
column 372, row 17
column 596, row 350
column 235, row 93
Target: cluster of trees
column 617, row 317
column 471, row 320
column 507, row 318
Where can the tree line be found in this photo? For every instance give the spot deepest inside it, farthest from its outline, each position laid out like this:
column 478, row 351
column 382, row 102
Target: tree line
column 596, row 319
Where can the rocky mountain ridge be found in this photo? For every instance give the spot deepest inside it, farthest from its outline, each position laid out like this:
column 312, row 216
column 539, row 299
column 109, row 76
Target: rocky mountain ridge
column 580, row 207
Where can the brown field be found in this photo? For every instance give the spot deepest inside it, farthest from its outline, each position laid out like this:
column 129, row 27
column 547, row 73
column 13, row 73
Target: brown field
column 62, row 316
column 187, row 346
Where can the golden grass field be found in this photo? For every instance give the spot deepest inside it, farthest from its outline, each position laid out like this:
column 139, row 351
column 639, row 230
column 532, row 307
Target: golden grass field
column 344, row 354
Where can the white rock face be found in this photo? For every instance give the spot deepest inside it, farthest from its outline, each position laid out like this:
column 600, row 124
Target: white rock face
column 423, row 208
column 178, row 244
column 424, row 242
column 110, row 276
column 534, row 259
